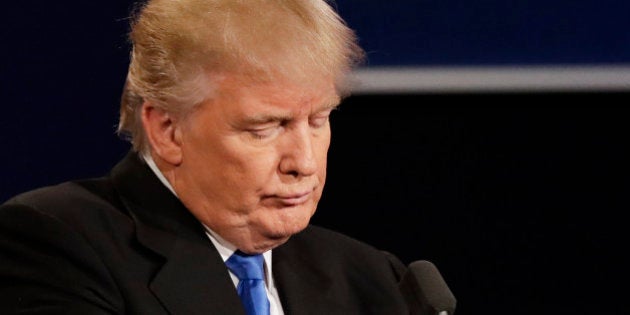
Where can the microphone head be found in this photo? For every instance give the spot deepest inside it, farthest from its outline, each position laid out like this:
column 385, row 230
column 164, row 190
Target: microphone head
column 425, row 290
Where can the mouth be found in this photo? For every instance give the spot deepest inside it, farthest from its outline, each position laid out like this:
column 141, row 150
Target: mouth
column 290, row 200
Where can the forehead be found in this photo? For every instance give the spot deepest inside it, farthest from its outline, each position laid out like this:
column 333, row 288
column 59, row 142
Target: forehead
column 245, row 95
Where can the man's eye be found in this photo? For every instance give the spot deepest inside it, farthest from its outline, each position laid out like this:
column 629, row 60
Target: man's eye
column 320, row 121
column 264, row 133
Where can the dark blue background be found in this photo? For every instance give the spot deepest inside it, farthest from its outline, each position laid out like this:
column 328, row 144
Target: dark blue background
column 518, row 198
column 491, row 32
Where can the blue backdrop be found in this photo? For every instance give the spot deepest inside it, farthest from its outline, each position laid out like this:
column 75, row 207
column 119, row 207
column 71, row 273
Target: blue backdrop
column 491, row 32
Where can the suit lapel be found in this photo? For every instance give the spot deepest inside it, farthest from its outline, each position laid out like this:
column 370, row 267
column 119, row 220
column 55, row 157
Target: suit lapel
column 193, row 278
column 303, row 287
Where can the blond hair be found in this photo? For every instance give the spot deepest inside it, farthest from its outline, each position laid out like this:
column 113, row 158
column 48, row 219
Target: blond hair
column 179, row 45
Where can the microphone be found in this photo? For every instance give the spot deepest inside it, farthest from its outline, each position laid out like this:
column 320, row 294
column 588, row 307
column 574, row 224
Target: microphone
column 425, row 291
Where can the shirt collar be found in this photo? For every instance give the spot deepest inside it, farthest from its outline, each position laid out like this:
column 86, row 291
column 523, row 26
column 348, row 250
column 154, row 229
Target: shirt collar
column 149, row 159
column 226, row 249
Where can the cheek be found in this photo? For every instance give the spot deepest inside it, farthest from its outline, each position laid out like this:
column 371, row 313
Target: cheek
column 322, row 169
column 249, row 171
column 323, row 155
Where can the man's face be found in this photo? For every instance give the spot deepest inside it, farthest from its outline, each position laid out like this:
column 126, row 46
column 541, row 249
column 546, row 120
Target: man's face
column 254, row 160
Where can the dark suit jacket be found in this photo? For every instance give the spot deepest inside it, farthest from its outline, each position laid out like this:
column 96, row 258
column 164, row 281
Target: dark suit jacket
column 123, row 244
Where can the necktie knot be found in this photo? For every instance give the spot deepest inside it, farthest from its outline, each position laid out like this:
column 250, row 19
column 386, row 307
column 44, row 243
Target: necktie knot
column 246, row 267
column 251, row 285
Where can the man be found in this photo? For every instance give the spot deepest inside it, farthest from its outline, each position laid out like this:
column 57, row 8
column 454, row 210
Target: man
column 227, row 105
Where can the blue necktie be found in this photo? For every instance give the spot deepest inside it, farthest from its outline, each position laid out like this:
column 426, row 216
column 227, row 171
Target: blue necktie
column 251, row 285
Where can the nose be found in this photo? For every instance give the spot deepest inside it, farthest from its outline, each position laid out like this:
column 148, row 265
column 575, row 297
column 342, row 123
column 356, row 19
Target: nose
column 299, row 153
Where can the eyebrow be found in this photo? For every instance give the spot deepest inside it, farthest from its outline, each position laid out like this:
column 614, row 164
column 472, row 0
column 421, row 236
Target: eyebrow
column 262, row 119
column 331, row 104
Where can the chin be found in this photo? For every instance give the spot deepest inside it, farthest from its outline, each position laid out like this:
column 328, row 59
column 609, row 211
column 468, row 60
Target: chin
column 276, row 226
column 267, row 244
column 283, row 231
column 275, row 235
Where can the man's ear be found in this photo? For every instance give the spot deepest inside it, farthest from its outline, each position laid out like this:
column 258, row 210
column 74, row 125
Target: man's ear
column 163, row 133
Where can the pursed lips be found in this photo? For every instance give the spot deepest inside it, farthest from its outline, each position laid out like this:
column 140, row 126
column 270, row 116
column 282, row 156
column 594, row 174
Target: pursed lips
column 290, row 199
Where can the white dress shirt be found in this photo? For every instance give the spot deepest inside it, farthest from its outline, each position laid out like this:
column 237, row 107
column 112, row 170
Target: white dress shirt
column 226, row 249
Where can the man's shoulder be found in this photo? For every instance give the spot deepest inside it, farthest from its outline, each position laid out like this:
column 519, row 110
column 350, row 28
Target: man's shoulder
column 69, row 200
column 318, row 242
column 317, row 236
column 362, row 278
